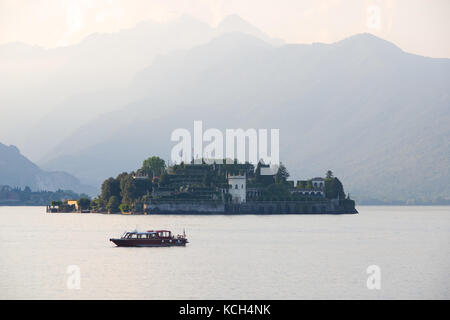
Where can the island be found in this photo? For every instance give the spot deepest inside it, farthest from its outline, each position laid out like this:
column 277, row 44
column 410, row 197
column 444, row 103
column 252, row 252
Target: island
column 210, row 187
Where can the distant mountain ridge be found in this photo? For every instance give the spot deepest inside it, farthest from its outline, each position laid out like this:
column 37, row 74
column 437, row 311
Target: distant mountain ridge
column 361, row 107
column 374, row 114
column 67, row 81
column 17, row 171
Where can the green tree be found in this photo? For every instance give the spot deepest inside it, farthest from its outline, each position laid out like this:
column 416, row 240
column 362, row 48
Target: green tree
column 110, row 187
column 84, row 203
column 138, row 206
column 277, row 192
column 128, row 189
column 282, row 174
column 153, row 166
column 143, row 186
column 124, row 207
column 329, row 174
column 96, row 204
column 113, row 204
column 334, row 189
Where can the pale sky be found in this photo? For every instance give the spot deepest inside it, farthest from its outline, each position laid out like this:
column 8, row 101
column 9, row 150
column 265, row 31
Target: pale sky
column 416, row 26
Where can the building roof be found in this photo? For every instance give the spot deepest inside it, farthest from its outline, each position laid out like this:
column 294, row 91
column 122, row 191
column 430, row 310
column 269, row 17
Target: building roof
column 237, row 176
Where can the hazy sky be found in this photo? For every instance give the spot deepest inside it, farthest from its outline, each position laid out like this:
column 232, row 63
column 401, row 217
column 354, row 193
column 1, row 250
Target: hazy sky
column 417, row 26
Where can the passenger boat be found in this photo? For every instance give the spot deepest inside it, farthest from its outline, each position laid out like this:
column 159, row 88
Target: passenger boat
column 150, row 238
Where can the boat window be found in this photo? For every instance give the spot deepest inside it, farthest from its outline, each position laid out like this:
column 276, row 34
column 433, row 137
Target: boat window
column 133, row 236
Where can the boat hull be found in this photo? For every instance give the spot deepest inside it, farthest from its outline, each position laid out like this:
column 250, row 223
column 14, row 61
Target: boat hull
column 149, row 242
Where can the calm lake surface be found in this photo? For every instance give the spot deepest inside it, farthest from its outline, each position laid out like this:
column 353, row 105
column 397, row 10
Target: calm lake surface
column 229, row 257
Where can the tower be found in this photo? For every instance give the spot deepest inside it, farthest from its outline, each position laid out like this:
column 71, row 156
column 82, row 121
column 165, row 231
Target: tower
column 238, row 188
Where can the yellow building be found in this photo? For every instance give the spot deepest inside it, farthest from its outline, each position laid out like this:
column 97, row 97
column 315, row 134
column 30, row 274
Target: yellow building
column 73, row 203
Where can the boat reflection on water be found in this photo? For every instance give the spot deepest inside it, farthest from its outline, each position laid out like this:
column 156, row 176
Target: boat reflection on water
column 150, row 238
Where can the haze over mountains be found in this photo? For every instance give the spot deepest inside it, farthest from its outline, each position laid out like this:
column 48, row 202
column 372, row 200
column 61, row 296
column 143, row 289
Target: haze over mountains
column 375, row 115
column 56, row 90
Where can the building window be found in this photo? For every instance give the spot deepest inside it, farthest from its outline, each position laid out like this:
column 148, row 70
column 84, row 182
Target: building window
column 236, row 186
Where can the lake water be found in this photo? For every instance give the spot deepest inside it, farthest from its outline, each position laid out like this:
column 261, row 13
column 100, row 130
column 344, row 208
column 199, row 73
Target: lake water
column 229, row 257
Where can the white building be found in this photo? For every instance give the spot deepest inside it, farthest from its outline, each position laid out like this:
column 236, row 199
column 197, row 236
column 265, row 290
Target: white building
column 318, row 183
column 238, row 188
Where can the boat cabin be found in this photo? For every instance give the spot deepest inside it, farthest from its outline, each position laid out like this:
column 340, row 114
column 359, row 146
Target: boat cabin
column 157, row 234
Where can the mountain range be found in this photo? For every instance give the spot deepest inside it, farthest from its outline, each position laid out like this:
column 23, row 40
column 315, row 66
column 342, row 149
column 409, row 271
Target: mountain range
column 67, row 86
column 374, row 114
column 18, row 171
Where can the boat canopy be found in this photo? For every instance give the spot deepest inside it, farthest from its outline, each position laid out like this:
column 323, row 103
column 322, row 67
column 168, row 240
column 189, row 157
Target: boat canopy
column 163, row 233
column 143, row 232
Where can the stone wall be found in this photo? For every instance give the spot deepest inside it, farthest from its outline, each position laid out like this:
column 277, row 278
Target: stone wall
column 185, row 208
column 260, row 207
column 290, row 207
